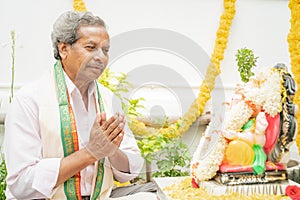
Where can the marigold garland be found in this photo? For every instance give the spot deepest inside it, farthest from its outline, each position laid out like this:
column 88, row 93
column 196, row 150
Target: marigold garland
column 294, row 46
column 213, row 70
column 79, row 6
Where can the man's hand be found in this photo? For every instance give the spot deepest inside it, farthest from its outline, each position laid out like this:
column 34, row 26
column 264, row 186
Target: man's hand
column 106, row 136
column 105, row 139
column 114, row 129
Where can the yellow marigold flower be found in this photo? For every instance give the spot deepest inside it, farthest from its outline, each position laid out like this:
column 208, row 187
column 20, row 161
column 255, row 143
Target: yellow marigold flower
column 79, row 6
column 293, row 39
column 119, row 184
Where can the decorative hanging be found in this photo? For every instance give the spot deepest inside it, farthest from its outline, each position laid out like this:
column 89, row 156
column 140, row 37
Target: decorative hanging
column 213, row 70
column 294, row 47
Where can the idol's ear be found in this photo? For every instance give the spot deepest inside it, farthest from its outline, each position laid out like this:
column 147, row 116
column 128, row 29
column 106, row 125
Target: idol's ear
column 63, row 50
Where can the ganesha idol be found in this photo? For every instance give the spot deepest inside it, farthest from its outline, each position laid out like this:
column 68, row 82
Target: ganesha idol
column 251, row 143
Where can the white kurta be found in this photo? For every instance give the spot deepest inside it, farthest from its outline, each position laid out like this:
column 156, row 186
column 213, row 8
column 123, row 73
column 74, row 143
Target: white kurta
column 33, row 174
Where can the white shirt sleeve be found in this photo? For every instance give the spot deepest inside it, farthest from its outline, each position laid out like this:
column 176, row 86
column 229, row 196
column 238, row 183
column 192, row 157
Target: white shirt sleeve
column 29, row 175
column 130, row 148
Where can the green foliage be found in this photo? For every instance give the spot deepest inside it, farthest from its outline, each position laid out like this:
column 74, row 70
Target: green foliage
column 152, row 144
column 3, row 173
column 171, row 155
column 116, row 82
column 245, row 61
column 130, row 108
column 172, row 159
column 165, row 123
column 161, row 122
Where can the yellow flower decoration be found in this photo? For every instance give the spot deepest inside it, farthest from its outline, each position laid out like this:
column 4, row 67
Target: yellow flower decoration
column 184, row 191
column 294, row 47
column 79, row 6
column 119, row 184
column 213, row 70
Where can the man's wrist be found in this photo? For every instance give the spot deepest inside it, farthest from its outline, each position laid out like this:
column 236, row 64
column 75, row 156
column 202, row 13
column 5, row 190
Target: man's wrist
column 115, row 154
column 90, row 155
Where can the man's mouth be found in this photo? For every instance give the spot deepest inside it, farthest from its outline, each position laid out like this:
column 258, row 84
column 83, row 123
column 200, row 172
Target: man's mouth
column 99, row 67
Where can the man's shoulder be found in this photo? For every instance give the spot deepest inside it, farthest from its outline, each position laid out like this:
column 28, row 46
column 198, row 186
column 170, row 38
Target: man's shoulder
column 28, row 89
column 31, row 89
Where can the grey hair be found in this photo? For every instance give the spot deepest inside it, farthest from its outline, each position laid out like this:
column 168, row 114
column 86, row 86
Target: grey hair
column 65, row 29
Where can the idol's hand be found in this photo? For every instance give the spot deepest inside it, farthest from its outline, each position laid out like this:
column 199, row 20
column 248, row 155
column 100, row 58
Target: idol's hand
column 105, row 136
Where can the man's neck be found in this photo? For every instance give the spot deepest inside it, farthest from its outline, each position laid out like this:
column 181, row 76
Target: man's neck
column 82, row 85
column 83, row 88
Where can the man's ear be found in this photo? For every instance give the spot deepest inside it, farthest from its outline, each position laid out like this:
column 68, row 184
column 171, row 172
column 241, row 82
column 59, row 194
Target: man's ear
column 63, row 50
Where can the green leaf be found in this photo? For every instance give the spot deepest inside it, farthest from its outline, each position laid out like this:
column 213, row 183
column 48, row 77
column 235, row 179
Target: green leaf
column 174, row 154
column 245, row 61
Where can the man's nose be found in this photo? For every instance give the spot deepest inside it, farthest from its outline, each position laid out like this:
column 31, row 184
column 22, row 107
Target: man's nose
column 99, row 55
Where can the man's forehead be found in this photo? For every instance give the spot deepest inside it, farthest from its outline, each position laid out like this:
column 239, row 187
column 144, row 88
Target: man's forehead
column 91, row 34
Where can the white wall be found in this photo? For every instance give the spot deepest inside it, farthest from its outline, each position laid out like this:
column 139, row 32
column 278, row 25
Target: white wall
column 261, row 25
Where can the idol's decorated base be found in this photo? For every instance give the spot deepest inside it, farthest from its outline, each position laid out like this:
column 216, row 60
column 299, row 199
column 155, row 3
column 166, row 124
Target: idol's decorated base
column 180, row 188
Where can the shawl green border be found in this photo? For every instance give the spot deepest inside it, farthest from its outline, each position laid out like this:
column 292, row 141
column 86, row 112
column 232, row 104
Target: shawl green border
column 66, row 133
column 100, row 173
column 65, row 126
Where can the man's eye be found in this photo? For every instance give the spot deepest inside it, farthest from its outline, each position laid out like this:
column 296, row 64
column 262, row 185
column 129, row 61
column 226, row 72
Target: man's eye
column 106, row 50
column 90, row 47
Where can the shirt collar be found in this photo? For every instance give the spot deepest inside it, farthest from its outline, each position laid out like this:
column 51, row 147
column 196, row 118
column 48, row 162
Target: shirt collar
column 72, row 87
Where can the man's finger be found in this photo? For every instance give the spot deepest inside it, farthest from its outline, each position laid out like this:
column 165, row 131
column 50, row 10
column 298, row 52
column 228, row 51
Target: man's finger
column 106, row 124
column 97, row 121
column 118, row 140
column 113, row 134
column 103, row 118
column 122, row 118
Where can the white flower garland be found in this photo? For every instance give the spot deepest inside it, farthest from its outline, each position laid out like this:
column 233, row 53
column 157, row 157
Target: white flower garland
column 267, row 92
column 238, row 116
column 203, row 169
column 271, row 93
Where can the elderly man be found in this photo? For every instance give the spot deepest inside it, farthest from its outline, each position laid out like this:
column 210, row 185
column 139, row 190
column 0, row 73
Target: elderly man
column 65, row 137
